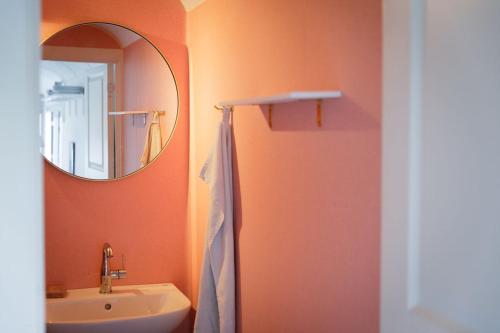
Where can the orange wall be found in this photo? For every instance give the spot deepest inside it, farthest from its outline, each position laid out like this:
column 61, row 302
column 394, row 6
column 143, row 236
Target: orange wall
column 142, row 216
column 307, row 198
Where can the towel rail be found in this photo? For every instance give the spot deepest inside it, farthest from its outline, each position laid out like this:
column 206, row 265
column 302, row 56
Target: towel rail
column 144, row 114
column 124, row 113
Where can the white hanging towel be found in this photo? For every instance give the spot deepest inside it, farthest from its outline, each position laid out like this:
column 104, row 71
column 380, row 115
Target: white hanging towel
column 216, row 300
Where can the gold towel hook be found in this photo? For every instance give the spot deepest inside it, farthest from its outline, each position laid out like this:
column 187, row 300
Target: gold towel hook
column 270, row 116
column 319, row 103
column 220, row 108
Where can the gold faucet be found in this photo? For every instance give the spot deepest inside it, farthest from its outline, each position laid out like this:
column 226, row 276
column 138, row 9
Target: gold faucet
column 107, row 275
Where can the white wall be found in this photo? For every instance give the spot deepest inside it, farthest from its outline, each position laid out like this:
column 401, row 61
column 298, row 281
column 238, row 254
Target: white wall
column 21, row 221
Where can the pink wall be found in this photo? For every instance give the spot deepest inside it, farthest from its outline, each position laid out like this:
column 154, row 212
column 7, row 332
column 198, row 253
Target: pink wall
column 162, row 18
column 142, row 216
column 307, row 198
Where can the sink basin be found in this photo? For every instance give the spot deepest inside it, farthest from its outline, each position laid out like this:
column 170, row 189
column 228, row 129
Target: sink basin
column 152, row 308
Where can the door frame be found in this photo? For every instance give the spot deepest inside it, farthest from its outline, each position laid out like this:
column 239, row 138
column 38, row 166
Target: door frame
column 22, row 282
column 403, row 33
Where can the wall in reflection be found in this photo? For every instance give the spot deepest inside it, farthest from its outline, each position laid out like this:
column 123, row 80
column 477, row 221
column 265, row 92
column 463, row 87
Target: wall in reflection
column 145, row 84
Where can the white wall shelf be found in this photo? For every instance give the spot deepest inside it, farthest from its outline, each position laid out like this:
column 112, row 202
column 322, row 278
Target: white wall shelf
column 289, row 97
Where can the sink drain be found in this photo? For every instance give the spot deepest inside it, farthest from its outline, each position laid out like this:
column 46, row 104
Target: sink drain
column 107, row 306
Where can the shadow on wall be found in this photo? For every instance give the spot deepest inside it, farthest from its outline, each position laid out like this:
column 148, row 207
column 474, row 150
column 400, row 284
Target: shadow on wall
column 238, row 224
column 341, row 114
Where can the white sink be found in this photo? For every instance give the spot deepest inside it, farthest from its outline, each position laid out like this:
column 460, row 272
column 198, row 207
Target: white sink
column 152, row 308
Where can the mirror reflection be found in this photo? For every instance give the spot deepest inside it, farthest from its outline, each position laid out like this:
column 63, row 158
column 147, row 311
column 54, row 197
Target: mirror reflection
column 109, row 101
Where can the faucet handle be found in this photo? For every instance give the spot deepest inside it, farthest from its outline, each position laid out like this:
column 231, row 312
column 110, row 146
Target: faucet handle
column 119, row 274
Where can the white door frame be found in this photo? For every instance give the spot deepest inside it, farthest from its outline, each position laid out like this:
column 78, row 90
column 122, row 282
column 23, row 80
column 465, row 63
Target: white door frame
column 22, row 283
column 403, row 33
column 402, row 50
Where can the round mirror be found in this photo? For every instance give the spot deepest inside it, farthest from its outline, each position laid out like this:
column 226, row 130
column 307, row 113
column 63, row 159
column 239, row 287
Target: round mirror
column 109, row 101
